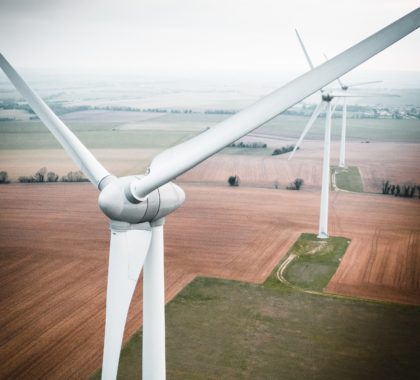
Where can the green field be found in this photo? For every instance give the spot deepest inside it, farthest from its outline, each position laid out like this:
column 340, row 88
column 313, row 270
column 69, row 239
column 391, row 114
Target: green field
column 348, row 179
column 33, row 135
column 316, row 261
column 359, row 129
column 232, row 330
column 170, row 129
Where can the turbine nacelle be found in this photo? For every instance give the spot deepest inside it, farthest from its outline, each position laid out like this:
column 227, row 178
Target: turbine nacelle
column 327, row 97
column 117, row 203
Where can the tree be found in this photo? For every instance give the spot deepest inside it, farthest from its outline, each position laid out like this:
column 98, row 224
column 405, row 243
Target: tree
column 406, row 191
column 298, row 183
column 284, row 149
column 234, row 180
column 40, row 175
column 4, row 177
column 386, row 187
column 26, row 179
column 392, row 189
column 74, row 177
column 412, row 191
column 52, row 177
column 295, row 185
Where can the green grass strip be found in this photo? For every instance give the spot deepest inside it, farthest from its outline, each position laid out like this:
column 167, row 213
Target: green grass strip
column 348, row 179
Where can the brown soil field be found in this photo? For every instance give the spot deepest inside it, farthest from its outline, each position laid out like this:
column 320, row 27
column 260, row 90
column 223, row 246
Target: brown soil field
column 53, row 260
column 20, row 162
column 380, row 161
column 377, row 161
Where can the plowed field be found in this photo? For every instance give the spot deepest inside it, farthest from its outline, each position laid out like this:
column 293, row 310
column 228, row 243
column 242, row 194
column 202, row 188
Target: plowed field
column 53, row 260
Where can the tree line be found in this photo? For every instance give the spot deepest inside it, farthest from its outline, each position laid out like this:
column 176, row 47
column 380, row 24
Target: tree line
column 400, row 190
column 43, row 175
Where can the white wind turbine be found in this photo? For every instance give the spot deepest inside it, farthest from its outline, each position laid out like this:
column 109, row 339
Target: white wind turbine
column 327, row 97
column 344, row 88
column 136, row 205
column 344, row 95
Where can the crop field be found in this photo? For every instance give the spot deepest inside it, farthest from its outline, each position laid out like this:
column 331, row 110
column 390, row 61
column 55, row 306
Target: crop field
column 53, row 273
column 48, row 262
column 376, row 162
column 228, row 329
column 26, row 146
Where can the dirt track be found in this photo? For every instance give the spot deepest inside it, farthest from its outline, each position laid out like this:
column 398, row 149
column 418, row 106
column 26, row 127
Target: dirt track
column 53, row 273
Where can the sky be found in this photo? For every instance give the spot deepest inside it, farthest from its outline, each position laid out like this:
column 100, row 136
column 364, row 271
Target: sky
column 196, row 35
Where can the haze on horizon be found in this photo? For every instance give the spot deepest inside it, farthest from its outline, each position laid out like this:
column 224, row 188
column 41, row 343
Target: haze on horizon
column 194, row 35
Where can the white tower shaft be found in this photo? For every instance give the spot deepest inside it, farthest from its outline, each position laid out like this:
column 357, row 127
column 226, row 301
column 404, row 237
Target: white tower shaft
column 323, row 215
column 154, row 367
column 342, row 162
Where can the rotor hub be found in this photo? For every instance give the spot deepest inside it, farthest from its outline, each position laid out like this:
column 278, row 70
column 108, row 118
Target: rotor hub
column 326, row 97
column 117, row 204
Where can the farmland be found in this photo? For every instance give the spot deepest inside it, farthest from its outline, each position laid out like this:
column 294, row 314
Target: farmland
column 53, row 273
column 279, row 332
column 49, row 263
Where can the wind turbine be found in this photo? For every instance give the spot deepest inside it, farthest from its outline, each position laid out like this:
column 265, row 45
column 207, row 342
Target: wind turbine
column 343, row 95
column 326, row 98
column 137, row 205
column 344, row 88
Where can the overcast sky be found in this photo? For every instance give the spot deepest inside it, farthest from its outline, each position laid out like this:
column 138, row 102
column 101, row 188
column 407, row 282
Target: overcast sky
column 196, row 34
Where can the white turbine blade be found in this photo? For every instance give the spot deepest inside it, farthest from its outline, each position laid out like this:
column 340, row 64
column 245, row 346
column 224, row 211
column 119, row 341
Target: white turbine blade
column 154, row 363
column 177, row 160
column 346, row 94
column 364, row 83
column 308, row 59
column 127, row 253
column 338, row 79
column 74, row 148
column 318, row 110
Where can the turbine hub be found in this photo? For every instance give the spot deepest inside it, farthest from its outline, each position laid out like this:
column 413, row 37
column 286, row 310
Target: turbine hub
column 117, row 204
column 327, row 97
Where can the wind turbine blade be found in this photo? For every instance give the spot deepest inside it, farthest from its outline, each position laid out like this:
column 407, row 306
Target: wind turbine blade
column 87, row 163
column 177, row 160
column 364, row 83
column 308, row 59
column 318, row 110
column 338, row 79
column 128, row 250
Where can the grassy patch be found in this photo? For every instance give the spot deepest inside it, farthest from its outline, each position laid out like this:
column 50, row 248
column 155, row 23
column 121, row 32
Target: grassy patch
column 316, row 261
column 226, row 329
column 348, row 179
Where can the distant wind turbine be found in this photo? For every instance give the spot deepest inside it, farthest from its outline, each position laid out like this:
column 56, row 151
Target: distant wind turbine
column 327, row 97
column 342, row 159
column 137, row 205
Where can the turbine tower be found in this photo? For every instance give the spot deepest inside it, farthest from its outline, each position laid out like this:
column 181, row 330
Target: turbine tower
column 137, row 205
